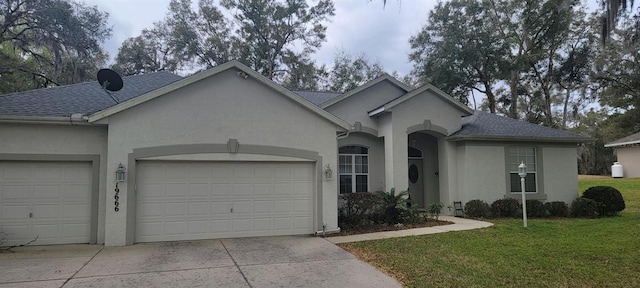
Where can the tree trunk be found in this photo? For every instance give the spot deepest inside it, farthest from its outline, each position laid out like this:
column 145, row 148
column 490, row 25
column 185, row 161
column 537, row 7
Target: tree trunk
column 513, row 83
column 565, row 108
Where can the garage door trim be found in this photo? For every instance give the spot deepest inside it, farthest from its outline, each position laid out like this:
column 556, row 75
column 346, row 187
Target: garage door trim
column 232, row 146
column 95, row 181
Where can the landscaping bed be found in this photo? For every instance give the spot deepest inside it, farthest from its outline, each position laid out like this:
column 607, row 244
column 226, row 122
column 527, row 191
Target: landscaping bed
column 551, row 252
column 428, row 222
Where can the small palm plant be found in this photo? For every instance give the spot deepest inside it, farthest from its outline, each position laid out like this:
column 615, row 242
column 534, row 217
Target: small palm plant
column 392, row 204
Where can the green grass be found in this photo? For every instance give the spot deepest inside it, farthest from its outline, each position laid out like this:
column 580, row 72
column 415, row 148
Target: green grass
column 550, row 253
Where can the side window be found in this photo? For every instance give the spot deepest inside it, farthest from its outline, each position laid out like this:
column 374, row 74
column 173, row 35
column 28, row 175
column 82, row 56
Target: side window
column 526, row 155
column 353, row 169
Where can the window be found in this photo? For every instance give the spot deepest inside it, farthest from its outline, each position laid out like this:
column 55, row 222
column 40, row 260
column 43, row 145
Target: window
column 353, row 169
column 515, row 156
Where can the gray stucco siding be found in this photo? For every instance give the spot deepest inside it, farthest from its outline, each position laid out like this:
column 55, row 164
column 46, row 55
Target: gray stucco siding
column 36, row 142
column 560, row 168
column 211, row 112
column 629, row 157
column 483, row 171
column 356, row 107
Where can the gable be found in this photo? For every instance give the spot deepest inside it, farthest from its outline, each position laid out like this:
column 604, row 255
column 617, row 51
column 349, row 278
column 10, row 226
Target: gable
column 223, row 104
column 230, row 69
column 355, row 108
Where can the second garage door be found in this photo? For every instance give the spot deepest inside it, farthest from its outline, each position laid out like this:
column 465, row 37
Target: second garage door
column 201, row 200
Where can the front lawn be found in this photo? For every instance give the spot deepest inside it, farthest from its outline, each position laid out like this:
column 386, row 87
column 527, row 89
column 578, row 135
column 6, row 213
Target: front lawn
column 550, row 253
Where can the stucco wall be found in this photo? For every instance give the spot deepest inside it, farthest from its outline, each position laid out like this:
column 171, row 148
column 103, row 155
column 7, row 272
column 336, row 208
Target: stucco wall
column 560, row 172
column 60, row 139
column 482, row 172
column 356, row 108
column 212, row 111
column 629, row 157
column 376, row 157
column 415, row 111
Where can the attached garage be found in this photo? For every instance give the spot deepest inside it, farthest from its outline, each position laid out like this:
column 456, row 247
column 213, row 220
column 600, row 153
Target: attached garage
column 186, row 200
column 48, row 200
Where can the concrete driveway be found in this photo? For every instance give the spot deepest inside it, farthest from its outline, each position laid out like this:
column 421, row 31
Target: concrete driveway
column 242, row 262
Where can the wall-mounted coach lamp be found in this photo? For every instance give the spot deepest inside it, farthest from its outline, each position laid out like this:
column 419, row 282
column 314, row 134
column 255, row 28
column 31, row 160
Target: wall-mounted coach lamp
column 328, row 174
column 121, row 173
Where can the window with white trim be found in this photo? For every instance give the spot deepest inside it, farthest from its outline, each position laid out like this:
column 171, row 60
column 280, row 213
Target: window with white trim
column 353, row 169
column 526, row 155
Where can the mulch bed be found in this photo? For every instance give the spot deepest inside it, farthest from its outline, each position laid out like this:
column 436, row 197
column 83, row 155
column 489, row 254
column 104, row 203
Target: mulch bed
column 430, row 222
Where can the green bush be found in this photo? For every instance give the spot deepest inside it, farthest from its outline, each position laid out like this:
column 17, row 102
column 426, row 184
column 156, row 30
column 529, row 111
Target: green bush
column 359, row 210
column 535, row 209
column 557, row 209
column 609, row 200
column 435, row 208
column 584, row 208
column 393, row 205
column 507, row 207
column 477, row 209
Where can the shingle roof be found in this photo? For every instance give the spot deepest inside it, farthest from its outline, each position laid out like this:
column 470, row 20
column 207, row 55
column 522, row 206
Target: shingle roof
column 85, row 98
column 629, row 140
column 485, row 126
column 317, row 97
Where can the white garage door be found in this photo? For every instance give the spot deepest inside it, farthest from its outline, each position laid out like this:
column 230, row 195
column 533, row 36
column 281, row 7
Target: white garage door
column 48, row 200
column 203, row 200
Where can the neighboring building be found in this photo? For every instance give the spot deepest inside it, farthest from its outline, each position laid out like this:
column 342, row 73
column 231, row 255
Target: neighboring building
column 628, row 154
column 229, row 153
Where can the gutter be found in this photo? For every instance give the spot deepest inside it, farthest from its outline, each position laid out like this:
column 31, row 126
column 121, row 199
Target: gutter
column 73, row 120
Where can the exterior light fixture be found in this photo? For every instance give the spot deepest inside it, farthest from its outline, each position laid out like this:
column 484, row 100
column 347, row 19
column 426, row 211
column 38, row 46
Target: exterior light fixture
column 121, row 173
column 522, row 171
column 328, row 173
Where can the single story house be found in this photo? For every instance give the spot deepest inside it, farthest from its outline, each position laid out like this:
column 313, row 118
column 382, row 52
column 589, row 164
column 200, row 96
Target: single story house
column 229, row 153
column 627, row 151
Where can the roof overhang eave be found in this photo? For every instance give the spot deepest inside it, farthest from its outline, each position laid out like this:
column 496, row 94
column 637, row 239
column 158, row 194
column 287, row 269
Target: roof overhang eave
column 75, row 119
column 613, row 145
column 457, row 138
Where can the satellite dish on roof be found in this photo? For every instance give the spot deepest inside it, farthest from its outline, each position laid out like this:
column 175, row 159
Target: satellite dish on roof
column 110, row 81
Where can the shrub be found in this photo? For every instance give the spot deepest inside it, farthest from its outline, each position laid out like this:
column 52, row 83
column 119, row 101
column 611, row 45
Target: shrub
column 359, row 209
column 507, row 207
column 477, row 208
column 393, row 204
column 535, row 209
column 609, row 200
column 557, row 209
column 435, row 209
column 584, row 208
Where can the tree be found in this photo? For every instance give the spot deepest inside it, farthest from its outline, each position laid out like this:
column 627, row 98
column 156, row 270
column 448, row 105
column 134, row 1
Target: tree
column 613, row 10
column 149, row 52
column 460, row 51
column 273, row 31
column 48, row 39
column 349, row 72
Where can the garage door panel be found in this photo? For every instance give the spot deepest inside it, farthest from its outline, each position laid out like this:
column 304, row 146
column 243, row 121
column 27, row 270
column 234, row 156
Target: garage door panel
column 43, row 211
column 283, row 189
column 13, row 212
column 199, row 208
column 51, row 200
column 224, row 199
column 77, row 192
column 199, row 190
column 76, row 211
column 50, row 191
column 176, row 190
column 16, row 193
column 175, row 209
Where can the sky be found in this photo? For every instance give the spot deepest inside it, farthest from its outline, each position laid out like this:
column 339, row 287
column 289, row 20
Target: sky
column 359, row 26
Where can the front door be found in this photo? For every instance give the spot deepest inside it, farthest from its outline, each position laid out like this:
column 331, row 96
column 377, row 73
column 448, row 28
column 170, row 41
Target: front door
column 416, row 183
